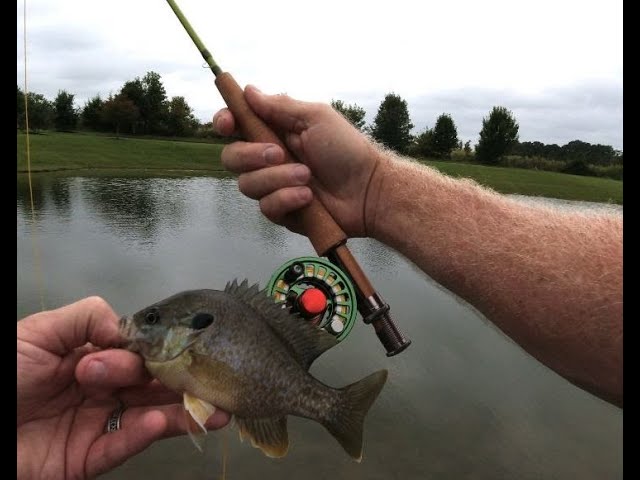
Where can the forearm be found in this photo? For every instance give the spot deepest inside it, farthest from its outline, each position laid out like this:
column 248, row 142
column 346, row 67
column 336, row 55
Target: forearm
column 550, row 280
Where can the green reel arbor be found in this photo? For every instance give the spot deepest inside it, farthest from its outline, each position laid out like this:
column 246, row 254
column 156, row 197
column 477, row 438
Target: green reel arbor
column 319, row 291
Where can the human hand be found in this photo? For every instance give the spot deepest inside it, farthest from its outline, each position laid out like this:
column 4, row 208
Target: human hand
column 69, row 381
column 336, row 160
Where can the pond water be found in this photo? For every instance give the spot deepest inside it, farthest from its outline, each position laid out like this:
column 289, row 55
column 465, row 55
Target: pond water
column 462, row 401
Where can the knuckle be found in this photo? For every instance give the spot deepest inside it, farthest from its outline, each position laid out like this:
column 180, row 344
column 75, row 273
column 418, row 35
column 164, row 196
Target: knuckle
column 98, row 305
column 243, row 185
column 268, row 209
column 247, row 184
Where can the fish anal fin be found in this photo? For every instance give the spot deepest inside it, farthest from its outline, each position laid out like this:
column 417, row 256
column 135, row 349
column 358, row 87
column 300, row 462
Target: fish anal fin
column 197, row 412
column 268, row 434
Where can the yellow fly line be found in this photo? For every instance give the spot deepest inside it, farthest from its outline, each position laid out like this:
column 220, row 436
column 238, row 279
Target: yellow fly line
column 36, row 252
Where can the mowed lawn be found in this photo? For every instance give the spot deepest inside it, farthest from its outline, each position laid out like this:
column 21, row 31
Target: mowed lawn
column 63, row 151
column 54, row 151
column 537, row 182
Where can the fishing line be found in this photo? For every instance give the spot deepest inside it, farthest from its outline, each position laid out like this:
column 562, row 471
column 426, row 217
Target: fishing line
column 34, row 243
column 225, row 452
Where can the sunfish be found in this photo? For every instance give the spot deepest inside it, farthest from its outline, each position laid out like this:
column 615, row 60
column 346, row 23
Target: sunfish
column 240, row 351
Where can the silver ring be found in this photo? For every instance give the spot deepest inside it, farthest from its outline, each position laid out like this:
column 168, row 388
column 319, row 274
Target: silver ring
column 113, row 422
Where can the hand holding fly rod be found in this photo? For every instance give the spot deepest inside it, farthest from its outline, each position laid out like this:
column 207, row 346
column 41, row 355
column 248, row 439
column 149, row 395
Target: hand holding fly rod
column 327, row 238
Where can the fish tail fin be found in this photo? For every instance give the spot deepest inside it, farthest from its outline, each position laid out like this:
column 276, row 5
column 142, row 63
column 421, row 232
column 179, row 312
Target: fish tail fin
column 347, row 422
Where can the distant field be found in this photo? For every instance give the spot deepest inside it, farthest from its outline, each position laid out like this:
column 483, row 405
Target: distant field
column 53, row 151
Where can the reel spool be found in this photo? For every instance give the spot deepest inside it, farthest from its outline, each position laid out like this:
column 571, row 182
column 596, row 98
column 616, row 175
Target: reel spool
column 319, row 291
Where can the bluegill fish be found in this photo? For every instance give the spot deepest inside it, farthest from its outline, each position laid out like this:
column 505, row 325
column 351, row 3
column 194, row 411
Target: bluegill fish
column 236, row 349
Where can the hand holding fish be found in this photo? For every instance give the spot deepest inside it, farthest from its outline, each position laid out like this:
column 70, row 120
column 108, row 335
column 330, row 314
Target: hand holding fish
column 69, row 380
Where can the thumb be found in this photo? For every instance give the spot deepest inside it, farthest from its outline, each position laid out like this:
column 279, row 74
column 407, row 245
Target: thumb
column 61, row 330
column 279, row 111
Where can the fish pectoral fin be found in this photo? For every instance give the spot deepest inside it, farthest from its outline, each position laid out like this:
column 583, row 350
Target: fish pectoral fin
column 197, row 412
column 193, row 429
column 268, row 434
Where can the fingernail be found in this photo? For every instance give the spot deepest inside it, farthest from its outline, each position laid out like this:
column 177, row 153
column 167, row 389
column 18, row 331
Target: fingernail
column 256, row 89
column 97, row 370
column 271, row 155
column 301, row 173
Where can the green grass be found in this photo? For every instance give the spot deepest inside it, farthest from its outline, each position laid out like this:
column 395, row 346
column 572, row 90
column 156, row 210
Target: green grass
column 53, row 151
column 99, row 154
column 536, row 182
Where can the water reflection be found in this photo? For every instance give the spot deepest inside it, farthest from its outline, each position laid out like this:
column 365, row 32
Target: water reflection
column 47, row 193
column 462, row 402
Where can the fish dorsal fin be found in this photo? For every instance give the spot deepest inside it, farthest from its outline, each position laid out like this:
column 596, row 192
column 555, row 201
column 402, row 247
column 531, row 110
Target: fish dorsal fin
column 304, row 340
column 267, row 434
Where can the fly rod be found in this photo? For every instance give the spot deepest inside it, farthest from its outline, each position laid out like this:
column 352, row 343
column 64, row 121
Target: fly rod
column 318, row 225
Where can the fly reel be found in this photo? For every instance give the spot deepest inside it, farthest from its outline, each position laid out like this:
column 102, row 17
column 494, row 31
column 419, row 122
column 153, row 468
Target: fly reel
column 317, row 290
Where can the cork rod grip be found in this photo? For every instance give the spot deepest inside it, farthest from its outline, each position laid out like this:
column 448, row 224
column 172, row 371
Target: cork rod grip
column 314, row 220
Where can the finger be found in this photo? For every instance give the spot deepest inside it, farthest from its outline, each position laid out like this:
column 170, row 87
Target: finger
column 240, row 157
column 281, row 111
column 113, row 449
column 224, row 123
column 151, row 394
column 140, row 427
column 177, row 420
column 277, row 205
column 112, row 369
column 265, row 181
column 61, row 330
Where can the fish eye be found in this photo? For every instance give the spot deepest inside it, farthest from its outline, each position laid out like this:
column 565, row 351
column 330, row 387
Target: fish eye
column 201, row 320
column 152, row 317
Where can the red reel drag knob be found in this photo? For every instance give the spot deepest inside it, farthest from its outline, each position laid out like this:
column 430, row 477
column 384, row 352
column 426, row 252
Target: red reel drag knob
column 312, row 302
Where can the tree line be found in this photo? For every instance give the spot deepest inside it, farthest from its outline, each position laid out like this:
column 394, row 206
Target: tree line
column 141, row 107
column 498, row 142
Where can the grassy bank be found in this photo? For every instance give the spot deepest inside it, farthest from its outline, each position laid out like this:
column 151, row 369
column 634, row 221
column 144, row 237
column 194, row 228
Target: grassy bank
column 74, row 151
column 537, row 182
column 98, row 153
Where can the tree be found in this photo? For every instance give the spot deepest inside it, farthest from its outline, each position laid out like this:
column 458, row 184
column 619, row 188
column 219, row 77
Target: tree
column 40, row 111
column 134, row 91
column 154, row 106
column 467, row 148
column 392, row 125
column 499, row 133
column 65, row 115
column 20, row 109
column 353, row 113
column 424, row 143
column 180, row 119
column 119, row 113
column 92, row 113
column 588, row 153
column 445, row 136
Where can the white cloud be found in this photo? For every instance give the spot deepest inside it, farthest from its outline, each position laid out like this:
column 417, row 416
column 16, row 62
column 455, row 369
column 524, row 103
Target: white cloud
column 559, row 60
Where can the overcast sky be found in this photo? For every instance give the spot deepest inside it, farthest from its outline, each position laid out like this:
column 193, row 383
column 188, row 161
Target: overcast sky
column 556, row 64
